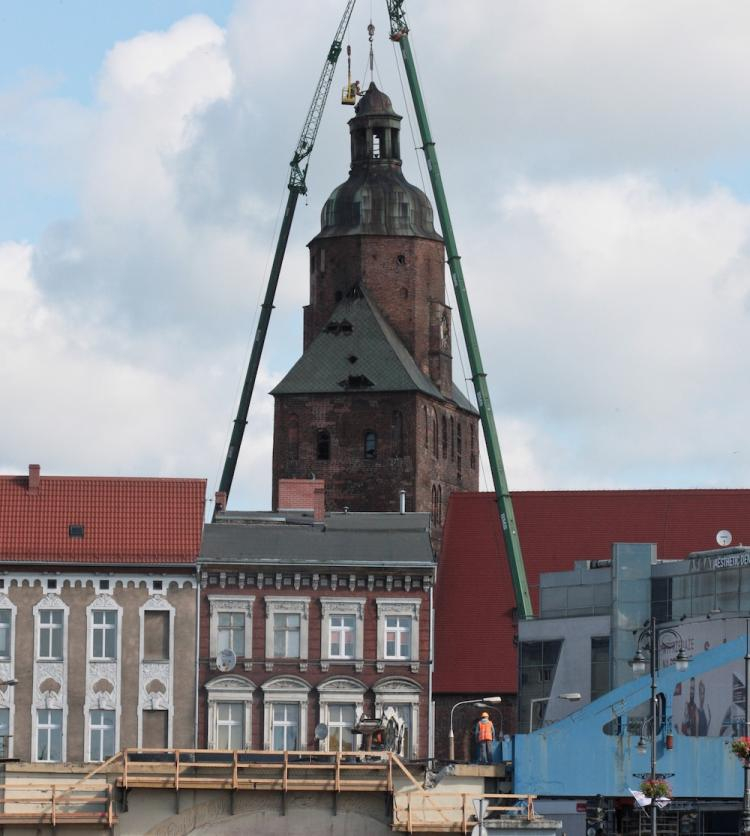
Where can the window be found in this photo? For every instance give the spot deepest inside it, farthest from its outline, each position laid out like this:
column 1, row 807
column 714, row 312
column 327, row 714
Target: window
column 102, row 735
column 51, row 634
column 342, row 631
column 341, row 718
column 453, row 446
column 398, row 631
column 104, row 634
column 230, row 725
column 537, row 662
column 156, row 729
column 231, row 632
column 286, row 635
column 426, row 429
column 49, row 734
column 440, row 504
column 6, row 638
column 435, row 438
column 397, row 435
column 285, row 726
column 293, row 438
column 458, row 450
column 599, row 666
column 371, row 445
column 472, row 447
column 397, row 637
column 398, row 697
column 155, row 635
column 445, row 437
column 5, row 738
column 75, row 531
column 324, row 445
column 376, row 145
column 434, row 513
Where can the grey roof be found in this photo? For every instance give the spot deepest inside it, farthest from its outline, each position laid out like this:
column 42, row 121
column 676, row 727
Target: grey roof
column 356, row 540
column 382, row 362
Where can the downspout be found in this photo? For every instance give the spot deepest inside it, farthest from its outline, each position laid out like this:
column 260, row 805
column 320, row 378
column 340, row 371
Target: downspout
column 197, row 653
column 430, row 706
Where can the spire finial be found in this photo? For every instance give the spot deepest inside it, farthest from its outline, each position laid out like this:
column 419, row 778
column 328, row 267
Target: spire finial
column 371, row 34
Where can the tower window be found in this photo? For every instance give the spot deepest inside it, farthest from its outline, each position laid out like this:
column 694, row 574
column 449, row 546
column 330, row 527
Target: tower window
column 397, row 433
column 426, row 428
column 375, row 146
column 434, row 433
column 445, row 437
column 324, row 445
column 401, row 259
column 371, row 445
column 472, row 447
column 293, row 438
column 458, row 450
column 453, row 446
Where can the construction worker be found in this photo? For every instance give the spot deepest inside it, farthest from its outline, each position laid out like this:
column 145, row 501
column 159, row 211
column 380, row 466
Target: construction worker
column 485, row 734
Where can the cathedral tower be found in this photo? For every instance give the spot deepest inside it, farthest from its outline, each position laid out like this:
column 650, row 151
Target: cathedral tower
column 370, row 406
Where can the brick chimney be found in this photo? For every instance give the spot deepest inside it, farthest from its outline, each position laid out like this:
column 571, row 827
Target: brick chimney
column 35, row 478
column 303, row 495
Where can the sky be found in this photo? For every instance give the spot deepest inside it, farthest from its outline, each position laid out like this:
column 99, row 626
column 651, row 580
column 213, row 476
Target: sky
column 595, row 158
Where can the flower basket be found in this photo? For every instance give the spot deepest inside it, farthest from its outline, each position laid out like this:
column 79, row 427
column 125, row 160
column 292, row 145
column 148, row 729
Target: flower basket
column 741, row 748
column 656, row 788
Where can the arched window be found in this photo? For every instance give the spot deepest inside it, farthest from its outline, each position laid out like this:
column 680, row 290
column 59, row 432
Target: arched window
column 371, row 445
column 453, row 445
column 434, row 505
column 445, row 437
column 397, row 435
column 426, row 428
column 435, row 436
column 292, row 438
column 440, row 505
column 472, row 447
column 324, row 445
column 458, row 449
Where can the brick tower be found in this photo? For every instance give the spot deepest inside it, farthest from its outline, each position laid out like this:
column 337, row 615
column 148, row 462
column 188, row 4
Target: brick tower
column 370, row 407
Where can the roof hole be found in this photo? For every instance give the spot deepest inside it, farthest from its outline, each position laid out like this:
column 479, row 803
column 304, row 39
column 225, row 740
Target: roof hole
column 75, row 531
column 401, row 259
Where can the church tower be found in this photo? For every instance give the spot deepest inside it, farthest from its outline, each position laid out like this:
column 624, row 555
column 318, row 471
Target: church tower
column 370, row 406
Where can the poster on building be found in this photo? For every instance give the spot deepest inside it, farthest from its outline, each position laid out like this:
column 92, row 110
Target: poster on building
column 713, row 703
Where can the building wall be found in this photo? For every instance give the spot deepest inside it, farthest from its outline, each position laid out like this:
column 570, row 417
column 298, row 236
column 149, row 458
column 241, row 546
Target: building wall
column 78, row 676
column 371, row 671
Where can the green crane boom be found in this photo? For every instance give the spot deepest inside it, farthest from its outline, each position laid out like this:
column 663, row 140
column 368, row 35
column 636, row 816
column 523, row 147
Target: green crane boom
column 400, row 34
column 297, row 186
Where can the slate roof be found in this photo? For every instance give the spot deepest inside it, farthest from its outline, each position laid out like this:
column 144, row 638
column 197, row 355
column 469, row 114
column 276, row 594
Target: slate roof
column 473, row 592
column 381, row 358
column 355, row 539
column 125, row 520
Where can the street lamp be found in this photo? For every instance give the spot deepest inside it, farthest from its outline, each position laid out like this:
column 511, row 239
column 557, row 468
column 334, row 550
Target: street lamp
column 451, row 739
column 649, row 642
column 574, row 697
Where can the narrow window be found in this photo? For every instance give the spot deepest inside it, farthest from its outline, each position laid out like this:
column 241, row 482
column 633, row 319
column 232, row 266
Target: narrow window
column 49, row 734
column 472, row 447
column 458, row 449
column 286, row 631
column 371, row 445
column 6, row 640
column 375, row 146
column 102, row 735
column 445, row 437
column 435, row 437
column 397, row 435
column 324, row 445
column 51, row 634
column 426, row 429
column 4, row 732
column 440, row 505
column 231, row 632
column 293, row 438
column 397, row 636
column 453, row 445
column 434, row 505
column 322, row 260
column 104, row 634
column 155, row 636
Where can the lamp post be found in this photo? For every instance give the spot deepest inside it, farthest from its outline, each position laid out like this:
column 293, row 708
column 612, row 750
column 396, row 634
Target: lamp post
column 649, row 642
column 574, row 697
column 451, row 738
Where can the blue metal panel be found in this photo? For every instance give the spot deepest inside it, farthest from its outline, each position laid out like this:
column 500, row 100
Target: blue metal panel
column 574, row 757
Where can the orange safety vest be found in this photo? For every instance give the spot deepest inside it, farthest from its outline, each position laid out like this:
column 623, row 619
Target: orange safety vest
column 486, row 730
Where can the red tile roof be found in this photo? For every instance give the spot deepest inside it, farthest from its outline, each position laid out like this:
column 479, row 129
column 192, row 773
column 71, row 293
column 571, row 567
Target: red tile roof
column 474, row 649
column 126, row 520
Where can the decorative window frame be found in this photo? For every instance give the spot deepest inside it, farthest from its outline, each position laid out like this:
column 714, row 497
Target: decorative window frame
column 398, row 690
column 342, row 606
column 398, row 606
column 288, row 604
column 162, row 671
column 50, row 669
column 97, row 669
column 337, row 691
column 8, row 673
column 230, row 689
column 285, row 689
column 233, row 604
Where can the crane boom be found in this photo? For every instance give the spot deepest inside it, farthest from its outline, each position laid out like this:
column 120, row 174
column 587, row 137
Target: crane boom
column 297, row 185
column 400, row 34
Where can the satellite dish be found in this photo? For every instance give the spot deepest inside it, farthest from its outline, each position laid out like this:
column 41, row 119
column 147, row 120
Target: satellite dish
column 321, row 731
column 226, row 660
column 724, row 537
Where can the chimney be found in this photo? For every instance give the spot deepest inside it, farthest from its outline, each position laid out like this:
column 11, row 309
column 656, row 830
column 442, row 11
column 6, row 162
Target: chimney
column 303, row 495
column 34, row 478
column 220, row 502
